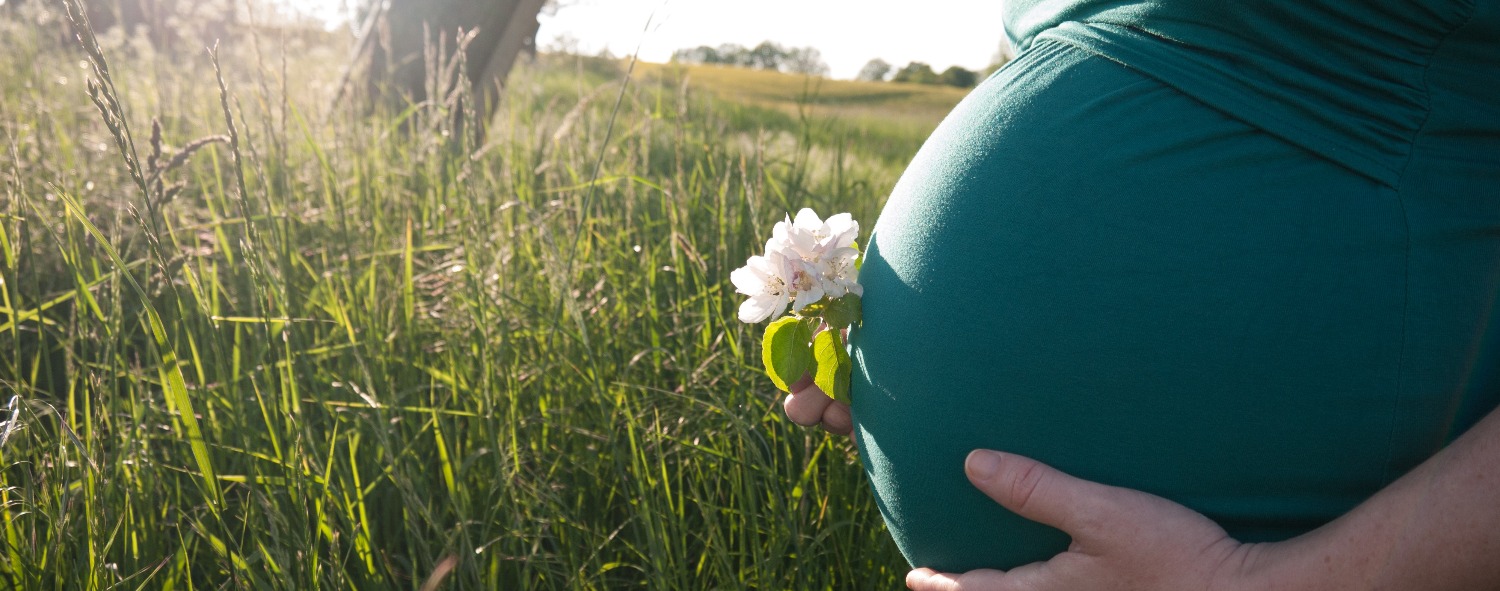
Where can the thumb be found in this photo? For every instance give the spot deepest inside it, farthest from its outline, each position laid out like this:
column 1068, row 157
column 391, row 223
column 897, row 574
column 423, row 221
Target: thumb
column 1043, row 494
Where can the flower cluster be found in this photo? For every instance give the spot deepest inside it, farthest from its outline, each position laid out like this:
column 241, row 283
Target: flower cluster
column 813, row 266
column 806, row 260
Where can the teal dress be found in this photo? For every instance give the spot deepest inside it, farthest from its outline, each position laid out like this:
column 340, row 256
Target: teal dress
column 1242, row 255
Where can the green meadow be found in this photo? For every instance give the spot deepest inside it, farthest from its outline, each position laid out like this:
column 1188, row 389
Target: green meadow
column 256, row 337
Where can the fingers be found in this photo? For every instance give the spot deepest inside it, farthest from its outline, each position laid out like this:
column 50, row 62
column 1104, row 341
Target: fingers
column 1041, row 493
column 926, row 579
column 837, row 420
column 802, row 383
column 805, row 404
column 1122, row 539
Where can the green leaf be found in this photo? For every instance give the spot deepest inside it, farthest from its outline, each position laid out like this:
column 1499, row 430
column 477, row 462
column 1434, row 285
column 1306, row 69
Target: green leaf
column 842, row 312
column 786, row 350
column 833, row 365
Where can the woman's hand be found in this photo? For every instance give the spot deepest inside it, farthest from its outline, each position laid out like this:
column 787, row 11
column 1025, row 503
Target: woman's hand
column 807, row 405
column 1122, row 539
column 1435, row 528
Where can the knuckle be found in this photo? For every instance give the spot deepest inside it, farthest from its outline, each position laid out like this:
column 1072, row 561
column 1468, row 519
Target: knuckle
column 805, row 408
column 802, row 419
column 1024, row 483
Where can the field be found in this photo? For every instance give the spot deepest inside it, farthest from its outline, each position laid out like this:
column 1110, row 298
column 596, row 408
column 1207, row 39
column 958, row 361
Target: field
column 254, row 338
column 883, row 111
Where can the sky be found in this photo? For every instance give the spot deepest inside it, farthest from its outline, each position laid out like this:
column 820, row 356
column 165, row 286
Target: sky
column 848, row 33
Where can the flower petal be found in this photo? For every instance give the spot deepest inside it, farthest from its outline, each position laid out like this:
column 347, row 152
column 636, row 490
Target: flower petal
column 843, row 252
column 779, row 247
column 780, row 230
column 761, row 307
column 840, row 222
column 784, row 266
column 751, row 278
column 808, row 296
column 804, row 243
column 841, row 230
column 808, row 221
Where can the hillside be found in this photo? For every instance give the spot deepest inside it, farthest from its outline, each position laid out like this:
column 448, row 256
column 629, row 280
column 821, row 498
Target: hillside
column 916, row 103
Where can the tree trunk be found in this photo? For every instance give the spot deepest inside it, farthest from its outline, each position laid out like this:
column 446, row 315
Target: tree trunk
column 408, row 45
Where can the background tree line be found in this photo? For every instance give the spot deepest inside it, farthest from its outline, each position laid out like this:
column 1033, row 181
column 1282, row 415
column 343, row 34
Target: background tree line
column 766, row 56
column 769, row 55
column 879, row 70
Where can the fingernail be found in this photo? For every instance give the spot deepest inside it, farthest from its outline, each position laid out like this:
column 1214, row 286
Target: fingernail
column 983, row 463
column 914, row 577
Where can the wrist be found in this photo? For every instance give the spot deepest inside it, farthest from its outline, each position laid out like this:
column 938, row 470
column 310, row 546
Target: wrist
column 1298, row 564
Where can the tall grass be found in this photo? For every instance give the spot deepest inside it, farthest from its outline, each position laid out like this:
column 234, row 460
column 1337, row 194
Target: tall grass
column 266, row 343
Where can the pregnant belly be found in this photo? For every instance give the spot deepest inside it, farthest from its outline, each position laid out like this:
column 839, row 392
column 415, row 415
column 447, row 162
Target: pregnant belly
column 1088, row 268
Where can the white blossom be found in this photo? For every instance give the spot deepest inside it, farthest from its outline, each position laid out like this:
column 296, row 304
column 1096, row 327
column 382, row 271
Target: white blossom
column 839, row 230
column 806, row 282
column 806, row 259
column 764, row 279
column 790, row 241
column 802, row 235
column 841, row 276
column 814, row 239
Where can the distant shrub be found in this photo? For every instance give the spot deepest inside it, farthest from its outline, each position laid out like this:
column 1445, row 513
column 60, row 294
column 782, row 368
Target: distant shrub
column 766, row 56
